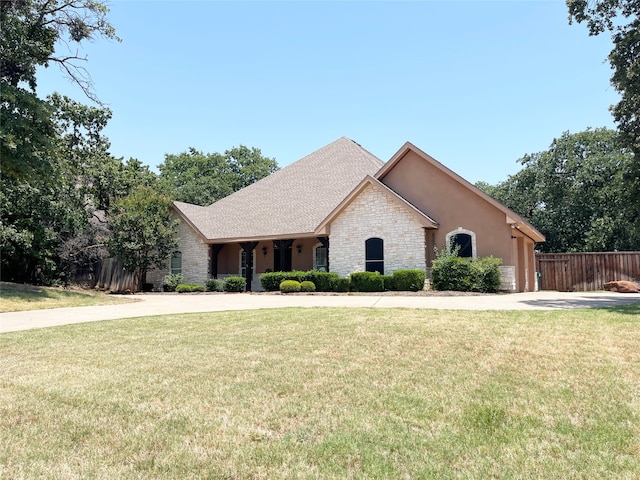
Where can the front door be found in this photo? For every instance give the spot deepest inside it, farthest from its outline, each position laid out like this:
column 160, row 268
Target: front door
column 282, row 255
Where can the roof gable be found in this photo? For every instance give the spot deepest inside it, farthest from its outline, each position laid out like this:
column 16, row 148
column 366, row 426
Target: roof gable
column 510, row 216
column 290, row 202
column 420, row 216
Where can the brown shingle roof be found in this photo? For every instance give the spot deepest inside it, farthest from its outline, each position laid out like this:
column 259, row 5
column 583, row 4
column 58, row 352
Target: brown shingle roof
column 289, row 203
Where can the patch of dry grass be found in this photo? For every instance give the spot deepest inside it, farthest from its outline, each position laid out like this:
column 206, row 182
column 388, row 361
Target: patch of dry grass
column 326, row 393
column 17, row 297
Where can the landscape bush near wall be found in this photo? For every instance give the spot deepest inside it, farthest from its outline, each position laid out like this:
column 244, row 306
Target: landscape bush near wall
column 402, row 280
column 322, row 280
column 451, row 272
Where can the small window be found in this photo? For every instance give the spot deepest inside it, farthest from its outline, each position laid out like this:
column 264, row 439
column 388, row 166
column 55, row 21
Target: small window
column 176, row 263
column 374, row 255
column 320, row 258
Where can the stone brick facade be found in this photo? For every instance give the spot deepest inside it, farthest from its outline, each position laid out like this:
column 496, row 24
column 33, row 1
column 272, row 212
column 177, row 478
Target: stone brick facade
column 195, row 259
column 374, row 214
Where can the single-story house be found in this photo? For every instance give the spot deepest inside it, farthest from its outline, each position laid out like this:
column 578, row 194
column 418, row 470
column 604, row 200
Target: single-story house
column 341, row 209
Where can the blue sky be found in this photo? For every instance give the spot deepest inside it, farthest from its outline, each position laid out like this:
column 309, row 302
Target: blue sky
column 475, row 84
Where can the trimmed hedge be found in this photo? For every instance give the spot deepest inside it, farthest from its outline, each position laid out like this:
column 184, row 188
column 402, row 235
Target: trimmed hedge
column 189, row 288
column 215, row 285
column 235, row 284
column 409, row 280
column 389, row 283
column 340, row 285
column 466, row 275
column 271, row 281
column 322, row 280
column 367, row 282
column 290, row 286
column 307, row 286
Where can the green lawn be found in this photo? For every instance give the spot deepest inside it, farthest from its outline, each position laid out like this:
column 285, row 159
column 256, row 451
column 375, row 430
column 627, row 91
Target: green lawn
column 15, row 297
column 326, row 393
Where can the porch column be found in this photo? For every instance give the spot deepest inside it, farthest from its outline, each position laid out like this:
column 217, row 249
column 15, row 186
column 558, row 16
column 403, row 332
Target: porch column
column 325, row 243
column 248, row 250
column 215, row 249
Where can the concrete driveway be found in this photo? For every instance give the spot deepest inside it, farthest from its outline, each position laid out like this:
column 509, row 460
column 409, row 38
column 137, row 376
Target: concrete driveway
column 161, row 304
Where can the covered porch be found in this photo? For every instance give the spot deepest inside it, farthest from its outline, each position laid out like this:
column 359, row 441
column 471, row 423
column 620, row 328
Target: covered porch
column 251, row 258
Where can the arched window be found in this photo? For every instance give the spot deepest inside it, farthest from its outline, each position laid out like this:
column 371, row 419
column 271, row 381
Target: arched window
column 320, row 258
column 374, row 255
column 464, row 241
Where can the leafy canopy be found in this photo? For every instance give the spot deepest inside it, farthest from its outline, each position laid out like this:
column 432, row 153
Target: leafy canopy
column 143, row 231
column 575, row 193
column 201, row 179
column 30, row 32
column 622, row 19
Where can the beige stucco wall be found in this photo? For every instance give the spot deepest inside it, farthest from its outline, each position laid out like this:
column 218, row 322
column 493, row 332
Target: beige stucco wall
column 374, row 214
column 455, row 207
column 451, row 205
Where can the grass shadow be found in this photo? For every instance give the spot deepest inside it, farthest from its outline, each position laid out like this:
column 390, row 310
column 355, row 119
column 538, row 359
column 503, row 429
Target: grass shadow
column 630, row 309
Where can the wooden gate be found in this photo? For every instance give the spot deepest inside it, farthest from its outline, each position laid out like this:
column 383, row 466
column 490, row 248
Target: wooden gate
column 581, row 272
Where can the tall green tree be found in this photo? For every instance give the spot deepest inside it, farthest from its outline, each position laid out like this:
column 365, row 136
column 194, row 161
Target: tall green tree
column 52, row 227
column 575, row 193
column 143, row 231
column 30, row 32
column 248, row 165
column 621, row 18
column 201, row 179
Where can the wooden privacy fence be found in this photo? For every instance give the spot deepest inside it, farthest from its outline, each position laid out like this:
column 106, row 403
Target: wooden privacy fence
column 112, row 276
column 581, row 272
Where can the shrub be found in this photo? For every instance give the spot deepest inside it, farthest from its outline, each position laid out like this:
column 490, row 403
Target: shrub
column 340, row 285
column 290, row 286
column 215, row 285
column 389, row 282
column 235, row 284
column 189, row 288
column 307, row 286
column 466, row 275
column 170, row 282
column 367, row 282
column 485, row 273
column 322, row 280
column 409, row 280
column 271, row 281
column 451, row 273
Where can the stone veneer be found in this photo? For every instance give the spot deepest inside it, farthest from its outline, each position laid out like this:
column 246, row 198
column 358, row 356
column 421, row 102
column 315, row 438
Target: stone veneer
column 374, row 214
column 195, row 259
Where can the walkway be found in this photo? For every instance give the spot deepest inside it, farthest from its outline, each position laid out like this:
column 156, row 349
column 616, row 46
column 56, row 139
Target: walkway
column 162, row 304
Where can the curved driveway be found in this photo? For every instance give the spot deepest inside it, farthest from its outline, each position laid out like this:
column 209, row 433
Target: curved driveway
column 162, row 304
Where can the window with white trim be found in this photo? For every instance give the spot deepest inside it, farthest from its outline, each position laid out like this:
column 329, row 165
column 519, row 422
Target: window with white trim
column 243, row 262
column 374, row 255
column 176, row 263
column 464, row 241
column 320, row 257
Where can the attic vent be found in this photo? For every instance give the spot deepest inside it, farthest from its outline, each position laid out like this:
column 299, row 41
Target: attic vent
column 356, row 143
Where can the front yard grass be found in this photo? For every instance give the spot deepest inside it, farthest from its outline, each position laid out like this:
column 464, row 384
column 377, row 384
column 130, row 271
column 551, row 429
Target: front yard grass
column 326, row 393
column 15, row 297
